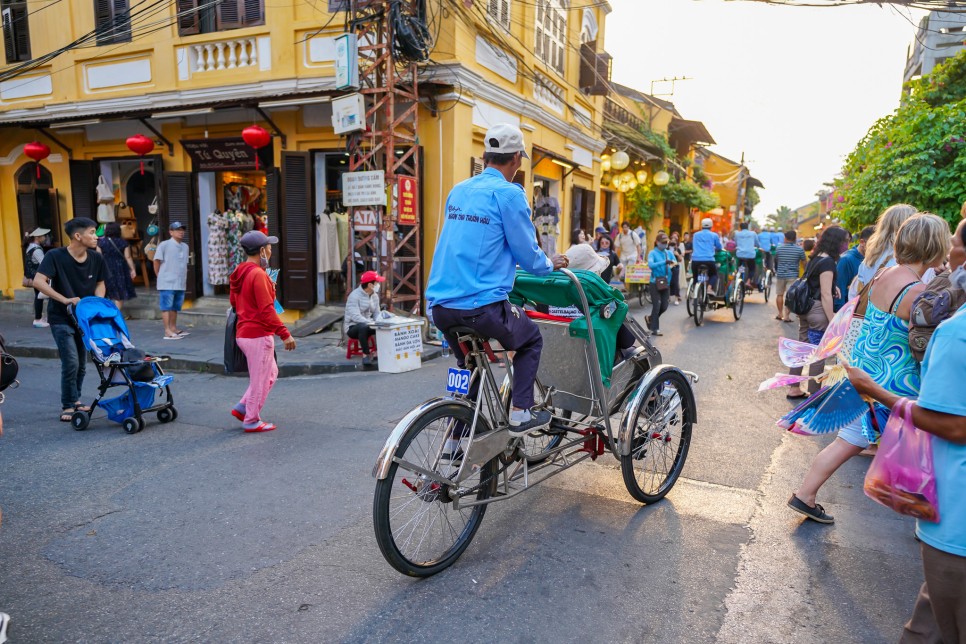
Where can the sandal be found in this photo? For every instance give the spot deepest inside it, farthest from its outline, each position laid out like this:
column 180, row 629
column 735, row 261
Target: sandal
column 261, row 427
column 81, row 407
column 798, row 396
column 66, row 414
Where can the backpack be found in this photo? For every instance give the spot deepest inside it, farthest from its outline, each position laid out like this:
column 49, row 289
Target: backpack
column 934, row 305
column 29, row 263
column 798, row 297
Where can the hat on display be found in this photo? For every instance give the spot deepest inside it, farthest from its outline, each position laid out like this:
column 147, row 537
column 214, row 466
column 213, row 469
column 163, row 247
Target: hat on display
column 255, row 240
column 39, row 232
column 371, row 276
column 176, row 225
column 504, row 138
column 707, row 223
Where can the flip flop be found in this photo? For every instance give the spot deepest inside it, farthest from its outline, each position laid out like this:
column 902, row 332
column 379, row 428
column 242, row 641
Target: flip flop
column 81, row 407
column 261, row 427
column 796, row 396
column 65, row 415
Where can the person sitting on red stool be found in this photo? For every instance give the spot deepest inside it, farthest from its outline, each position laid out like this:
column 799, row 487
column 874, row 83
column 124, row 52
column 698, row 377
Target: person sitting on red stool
column 360, row 311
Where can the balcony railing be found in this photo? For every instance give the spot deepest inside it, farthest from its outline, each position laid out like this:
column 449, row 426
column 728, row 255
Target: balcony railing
column 617, row 113
column 224, row 54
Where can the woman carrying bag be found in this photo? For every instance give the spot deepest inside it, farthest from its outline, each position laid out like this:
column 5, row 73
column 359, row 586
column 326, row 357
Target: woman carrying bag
column 661, row 261
column 252, row 295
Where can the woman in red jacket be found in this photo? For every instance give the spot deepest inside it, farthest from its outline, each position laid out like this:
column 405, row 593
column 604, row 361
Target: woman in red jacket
column 253, row 297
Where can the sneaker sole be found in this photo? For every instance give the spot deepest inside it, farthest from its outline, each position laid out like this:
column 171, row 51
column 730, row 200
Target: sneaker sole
column 811, row 516
column 526, row 432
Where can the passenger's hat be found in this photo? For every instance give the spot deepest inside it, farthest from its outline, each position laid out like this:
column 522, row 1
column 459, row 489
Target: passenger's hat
column 39, row 232
column 176, row 225
column 504, row 138
column 255, row 240
column 371, row 276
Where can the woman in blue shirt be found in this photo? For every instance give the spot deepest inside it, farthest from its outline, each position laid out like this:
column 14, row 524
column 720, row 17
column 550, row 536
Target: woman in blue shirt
column 660, row 260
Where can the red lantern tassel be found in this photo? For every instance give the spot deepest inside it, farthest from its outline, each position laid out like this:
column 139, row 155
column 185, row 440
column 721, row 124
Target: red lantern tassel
column 142, row 167
column 38, row 169
column 256, row 159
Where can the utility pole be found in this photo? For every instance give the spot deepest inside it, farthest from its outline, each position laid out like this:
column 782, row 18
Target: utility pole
column 389, row 143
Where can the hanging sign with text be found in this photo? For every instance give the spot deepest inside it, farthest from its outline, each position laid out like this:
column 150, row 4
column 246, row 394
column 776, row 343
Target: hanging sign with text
column 407, row 189
column 211, row 155
column 364, row 188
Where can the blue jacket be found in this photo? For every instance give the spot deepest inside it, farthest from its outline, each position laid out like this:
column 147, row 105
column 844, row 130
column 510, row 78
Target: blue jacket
column 705, row 244
column 848, row 268
column 486, row 235
column 657, row 259
column 777, row 239
column 747, row 242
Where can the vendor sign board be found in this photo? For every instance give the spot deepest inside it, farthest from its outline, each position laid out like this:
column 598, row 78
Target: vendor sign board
column 407, row 191
column 638, row 274
column 366, row 188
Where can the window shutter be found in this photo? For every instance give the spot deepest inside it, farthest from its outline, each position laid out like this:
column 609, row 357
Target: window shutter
column 188, row 17
column 112, row 20
column 476, row 166
column 272, row 208
column 179, row 204
column 230, row 14
column 253, row 12
column 82, row 188
column 27, row 209
column 9, row 39
column 595, row 69
column 298, row 277
column 21, row 32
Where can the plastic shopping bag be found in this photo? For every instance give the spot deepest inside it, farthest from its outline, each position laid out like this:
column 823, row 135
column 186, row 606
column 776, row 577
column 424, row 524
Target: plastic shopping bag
column 901, row 476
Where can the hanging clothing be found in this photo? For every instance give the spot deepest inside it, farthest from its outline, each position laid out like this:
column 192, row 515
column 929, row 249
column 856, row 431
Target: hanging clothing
column 236, row 254
column 328, row 245
column 218, row 250
column 342, row 225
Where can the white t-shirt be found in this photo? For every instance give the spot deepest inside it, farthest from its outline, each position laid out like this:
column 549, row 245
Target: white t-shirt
column 584, row 257
column 173, row 255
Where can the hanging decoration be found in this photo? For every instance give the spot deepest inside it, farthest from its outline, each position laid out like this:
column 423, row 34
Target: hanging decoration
column 140, row 145
column 641, row 176
column 661, row 178
column 619, row 160
column 38, row 152
column 605, row 163
column 257, row 137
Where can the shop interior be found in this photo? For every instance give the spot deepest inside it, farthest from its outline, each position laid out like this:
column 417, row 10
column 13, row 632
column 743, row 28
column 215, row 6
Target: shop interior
column 332, row 243
column 131, row 199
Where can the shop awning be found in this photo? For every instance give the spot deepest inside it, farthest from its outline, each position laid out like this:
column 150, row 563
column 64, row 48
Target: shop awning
column 694, row 131
column 754, row 183
column 539, row 154
column 625, row 136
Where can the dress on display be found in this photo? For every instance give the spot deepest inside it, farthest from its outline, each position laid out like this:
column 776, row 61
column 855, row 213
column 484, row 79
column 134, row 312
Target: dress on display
column 218, row 250
column 546, row 218
column 119, row 284
column 328, row 245
column 236, row 252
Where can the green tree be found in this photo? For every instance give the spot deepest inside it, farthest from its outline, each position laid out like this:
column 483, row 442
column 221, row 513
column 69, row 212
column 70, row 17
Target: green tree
column 916, row 155
column 783, row 219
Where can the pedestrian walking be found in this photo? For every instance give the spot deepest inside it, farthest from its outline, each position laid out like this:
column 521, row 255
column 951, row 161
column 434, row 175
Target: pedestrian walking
column 628, row 245
column 660, row 260
column 605, row 250
column 882, row 348
column 688, row 251
column 674, row 246
column 546, row 219
column 33, row 257
column 849, row 264
column 66, row 275
column 879, row 249
column 252, row 295
column 789, row 259
column 171, row 267
column 360, row 311
column 120, row 264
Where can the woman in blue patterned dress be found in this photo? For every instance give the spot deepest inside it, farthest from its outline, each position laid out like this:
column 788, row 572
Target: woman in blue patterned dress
column 120, row 264
column 882, row 349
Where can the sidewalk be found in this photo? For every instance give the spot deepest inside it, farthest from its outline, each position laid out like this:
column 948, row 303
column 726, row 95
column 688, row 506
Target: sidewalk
column 202, row 351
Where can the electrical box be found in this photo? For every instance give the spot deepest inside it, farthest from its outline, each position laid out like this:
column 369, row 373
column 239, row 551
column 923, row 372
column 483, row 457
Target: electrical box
column 346, row 62
column 348, row 113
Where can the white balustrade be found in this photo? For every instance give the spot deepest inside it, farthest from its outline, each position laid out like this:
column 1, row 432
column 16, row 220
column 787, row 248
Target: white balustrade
column 225, row 54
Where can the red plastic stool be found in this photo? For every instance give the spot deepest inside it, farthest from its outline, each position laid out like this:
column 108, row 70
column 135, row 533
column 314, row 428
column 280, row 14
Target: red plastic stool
column 353, row 348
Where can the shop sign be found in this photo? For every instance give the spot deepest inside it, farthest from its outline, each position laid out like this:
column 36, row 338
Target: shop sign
column 365, row 221
column 212, row 155
column 346, row 62
column 364, row 188
column 407, row 189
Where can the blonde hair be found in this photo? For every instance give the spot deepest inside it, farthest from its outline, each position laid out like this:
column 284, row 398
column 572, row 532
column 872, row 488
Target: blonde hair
column 886, row 227
column 925, row 238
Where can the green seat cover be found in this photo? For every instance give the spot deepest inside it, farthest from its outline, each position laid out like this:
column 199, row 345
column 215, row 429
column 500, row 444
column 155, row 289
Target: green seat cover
column 556, row 289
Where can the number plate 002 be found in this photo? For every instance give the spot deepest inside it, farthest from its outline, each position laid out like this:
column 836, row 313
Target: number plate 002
column 458, row 381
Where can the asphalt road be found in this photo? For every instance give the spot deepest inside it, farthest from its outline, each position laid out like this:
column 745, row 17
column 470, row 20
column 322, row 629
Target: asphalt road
column 194, row 531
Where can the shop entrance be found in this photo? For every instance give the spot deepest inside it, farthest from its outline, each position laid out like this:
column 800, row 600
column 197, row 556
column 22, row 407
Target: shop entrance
column 332, row 230
column 37, row 201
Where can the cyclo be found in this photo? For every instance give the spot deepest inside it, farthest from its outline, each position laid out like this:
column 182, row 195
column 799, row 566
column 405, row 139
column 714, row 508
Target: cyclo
column 451, row 456
column 729, row 291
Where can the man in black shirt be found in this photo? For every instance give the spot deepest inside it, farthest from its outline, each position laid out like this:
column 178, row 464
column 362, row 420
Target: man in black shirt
column 66, row 275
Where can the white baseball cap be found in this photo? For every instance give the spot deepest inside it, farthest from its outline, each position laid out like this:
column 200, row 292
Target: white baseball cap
column 504, row 138
column 707, row 222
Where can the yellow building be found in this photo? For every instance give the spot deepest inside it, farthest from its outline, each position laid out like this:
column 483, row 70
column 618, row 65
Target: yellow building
column 191, row 76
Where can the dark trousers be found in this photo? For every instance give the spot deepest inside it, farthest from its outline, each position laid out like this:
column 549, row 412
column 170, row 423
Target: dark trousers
column 38, row 305
column 508, row 325
column 675, row 281
column 659, row 302
column 940, row 612
column 712, row 268
column 361, row 332
column 749, row 264
column 73, row 363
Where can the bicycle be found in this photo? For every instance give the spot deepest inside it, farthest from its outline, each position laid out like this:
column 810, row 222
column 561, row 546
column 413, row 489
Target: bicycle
column 730, row 292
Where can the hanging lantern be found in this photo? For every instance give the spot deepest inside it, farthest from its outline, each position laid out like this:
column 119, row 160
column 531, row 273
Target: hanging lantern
column 140, row 145
column 38, row 152
column 661, row 178
column 616, row 181
column 605, row 179
column 632, row 184
column 627, row 177
column 620, row 160
column 605, row 163
column 641, row 176
column 257, row 137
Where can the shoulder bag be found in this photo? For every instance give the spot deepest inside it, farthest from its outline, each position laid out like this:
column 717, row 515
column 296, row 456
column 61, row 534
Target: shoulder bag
column 8, row 369
column 235, row 360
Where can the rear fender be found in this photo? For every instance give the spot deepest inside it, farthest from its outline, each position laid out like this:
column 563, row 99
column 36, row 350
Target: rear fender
column 625, row 435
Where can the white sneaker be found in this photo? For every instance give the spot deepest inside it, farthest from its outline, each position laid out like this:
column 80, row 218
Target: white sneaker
column 4, row 622
column 41, row 324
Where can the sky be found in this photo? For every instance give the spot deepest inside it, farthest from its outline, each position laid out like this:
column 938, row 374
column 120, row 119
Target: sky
column 793, row 88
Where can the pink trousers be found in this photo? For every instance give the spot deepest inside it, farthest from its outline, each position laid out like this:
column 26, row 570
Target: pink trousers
column 262, row 374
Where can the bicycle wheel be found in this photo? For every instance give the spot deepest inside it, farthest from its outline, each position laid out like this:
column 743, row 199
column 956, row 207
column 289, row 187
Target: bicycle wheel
column 662, row 436
column 767, row 289
column 689, row 298
column 738, row 304
column 700, row 302
column 417, row 528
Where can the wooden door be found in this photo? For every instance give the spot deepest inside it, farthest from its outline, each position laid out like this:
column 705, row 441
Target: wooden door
column 179, row 205
column 272, row 213
column 297, row 239
column 83, row 179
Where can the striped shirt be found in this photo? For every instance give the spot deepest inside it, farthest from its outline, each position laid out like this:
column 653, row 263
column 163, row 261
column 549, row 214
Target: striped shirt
column 787, row 257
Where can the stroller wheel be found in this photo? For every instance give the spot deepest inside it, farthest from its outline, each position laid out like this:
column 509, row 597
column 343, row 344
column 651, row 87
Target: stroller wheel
column 79, row 420
column 167, row 415
column 132, row 425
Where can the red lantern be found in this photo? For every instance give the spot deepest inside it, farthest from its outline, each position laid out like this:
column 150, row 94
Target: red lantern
column 140, row 145
column 38, row 152
column 257, row 137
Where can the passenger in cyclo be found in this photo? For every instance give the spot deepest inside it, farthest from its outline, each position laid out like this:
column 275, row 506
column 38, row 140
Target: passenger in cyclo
column 486, row 234
column 747, row 245
column 705, row 244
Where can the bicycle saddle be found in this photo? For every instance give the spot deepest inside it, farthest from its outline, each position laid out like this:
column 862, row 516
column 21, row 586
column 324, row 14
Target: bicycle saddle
column 465, row 330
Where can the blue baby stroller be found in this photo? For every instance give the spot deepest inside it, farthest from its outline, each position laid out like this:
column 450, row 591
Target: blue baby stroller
column 120, row 364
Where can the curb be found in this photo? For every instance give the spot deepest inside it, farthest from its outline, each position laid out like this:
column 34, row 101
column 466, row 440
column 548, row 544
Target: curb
column 203, row 366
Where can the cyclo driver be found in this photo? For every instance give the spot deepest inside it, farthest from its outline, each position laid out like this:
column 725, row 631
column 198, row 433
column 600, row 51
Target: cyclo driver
column 487, row 233
column 706, row 243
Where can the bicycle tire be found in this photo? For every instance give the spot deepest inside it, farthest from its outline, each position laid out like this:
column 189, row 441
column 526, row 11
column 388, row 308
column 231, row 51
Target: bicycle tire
column 689, row 299
column 420, row 491
column 738, row 304
column 700, row 301
column 648, row 445
column 767, row 290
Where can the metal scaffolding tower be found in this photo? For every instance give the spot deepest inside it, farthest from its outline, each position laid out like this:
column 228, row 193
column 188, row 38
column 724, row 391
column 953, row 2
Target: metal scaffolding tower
column 389, row 142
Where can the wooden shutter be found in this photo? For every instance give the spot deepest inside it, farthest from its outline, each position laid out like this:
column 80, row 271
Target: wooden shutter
column 16, row 34
column 55, row 226
column 253, row 12
column 82, row 182
column 27, row 211
column 229, row 14
column 595, row 69
column 298, row 276
column 179, row 203
column 272, row 186
column 112, row 20
column 476, row 166
column 188, row 19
